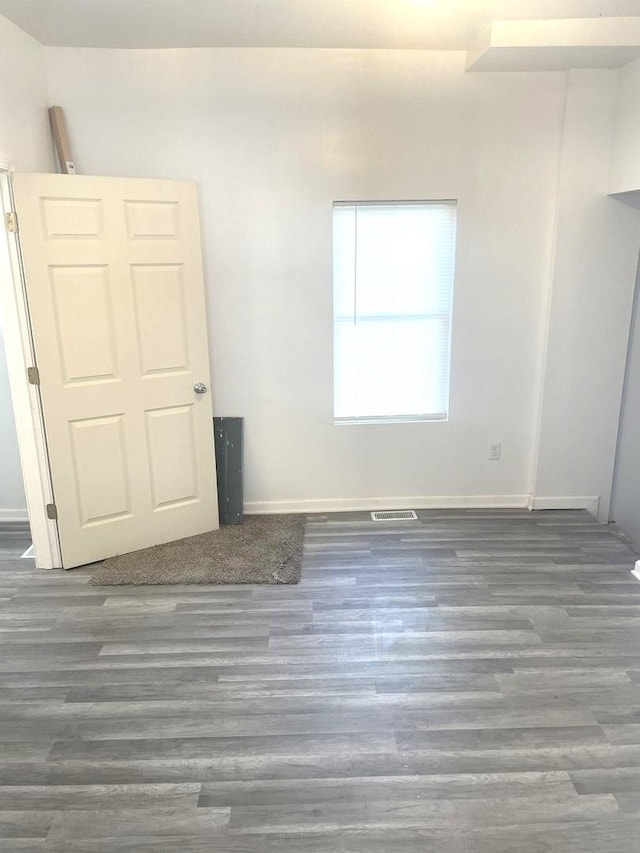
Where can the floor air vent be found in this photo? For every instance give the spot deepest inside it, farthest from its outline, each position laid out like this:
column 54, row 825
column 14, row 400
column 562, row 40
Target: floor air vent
column 394, row 515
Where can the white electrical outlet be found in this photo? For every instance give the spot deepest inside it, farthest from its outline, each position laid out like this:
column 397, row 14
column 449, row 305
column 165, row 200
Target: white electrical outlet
column 495, row 450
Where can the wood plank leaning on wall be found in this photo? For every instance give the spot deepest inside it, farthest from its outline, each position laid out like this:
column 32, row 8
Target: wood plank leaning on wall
column 61, row 140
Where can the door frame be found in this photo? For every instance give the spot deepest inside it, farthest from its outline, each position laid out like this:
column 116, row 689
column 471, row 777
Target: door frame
column 27, row 407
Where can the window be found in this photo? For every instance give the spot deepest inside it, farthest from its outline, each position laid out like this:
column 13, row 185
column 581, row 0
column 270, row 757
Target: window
column 393, row 281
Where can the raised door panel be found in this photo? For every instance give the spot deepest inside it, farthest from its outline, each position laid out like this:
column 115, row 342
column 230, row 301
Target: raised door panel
column 72, row 218
column 152, row 219
column 172, row 456
column 100, row 469
column 83, row 323
column 159, row 300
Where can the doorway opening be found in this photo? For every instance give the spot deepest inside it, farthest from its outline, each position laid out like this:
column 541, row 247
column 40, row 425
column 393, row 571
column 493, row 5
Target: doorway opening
column 625, row 497
column 25, row 397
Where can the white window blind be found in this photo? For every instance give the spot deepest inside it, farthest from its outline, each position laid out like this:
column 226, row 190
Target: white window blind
column 393, row 266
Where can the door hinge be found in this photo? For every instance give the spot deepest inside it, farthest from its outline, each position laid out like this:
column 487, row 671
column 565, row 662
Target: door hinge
column 52, row 512
column 11, row 220
column 33, row 375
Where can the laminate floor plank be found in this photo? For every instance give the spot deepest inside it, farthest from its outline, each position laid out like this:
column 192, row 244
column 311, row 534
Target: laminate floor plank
column 466, row 681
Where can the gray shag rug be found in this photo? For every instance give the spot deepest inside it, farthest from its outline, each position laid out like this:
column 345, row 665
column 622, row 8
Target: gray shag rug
column 263, row 549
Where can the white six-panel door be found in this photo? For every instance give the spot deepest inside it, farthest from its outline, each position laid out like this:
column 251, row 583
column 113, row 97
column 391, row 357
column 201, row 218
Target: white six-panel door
column 116, row 299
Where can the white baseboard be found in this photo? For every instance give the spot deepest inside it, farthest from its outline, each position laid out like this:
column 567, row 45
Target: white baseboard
column 13, row 515
column 365, row 504
column 590, row 503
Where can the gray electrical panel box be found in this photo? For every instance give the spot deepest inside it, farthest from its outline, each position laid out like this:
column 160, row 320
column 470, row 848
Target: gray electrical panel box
column 228, row 434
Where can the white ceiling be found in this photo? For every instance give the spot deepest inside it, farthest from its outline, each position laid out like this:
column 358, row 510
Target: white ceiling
column 421, row 24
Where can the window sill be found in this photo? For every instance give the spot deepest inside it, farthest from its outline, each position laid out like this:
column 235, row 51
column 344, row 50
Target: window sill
column 396, row 419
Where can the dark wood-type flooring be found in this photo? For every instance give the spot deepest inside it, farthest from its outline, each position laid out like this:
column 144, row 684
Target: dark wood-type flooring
column 466, row 683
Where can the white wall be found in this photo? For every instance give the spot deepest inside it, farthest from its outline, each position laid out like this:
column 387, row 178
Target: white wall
column 24, row 124
column 593, row 274
column 272, row 138
column 625, row 162
column 24, row 142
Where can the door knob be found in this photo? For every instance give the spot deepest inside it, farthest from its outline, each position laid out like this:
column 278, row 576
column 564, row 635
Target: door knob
column 200, row 388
